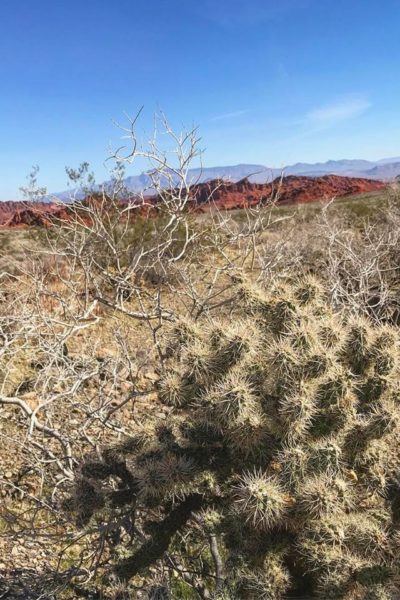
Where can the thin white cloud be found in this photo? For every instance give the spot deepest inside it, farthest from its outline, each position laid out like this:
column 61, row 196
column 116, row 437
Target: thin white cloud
column 229, row 115
column 341, row 110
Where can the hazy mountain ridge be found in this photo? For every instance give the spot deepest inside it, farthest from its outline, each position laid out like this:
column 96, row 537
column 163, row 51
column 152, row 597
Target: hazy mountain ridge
column 383, row 169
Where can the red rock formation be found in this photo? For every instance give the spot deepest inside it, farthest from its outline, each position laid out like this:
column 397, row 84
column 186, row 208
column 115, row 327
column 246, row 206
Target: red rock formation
column 29, row 214
column 288, row 190
column 218, row 193
column 28, row 217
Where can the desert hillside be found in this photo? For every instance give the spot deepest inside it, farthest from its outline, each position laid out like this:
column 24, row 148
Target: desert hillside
column 220, row 194
column 287, row 190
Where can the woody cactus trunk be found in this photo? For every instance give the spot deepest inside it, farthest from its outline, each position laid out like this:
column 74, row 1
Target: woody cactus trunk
column 285, row 439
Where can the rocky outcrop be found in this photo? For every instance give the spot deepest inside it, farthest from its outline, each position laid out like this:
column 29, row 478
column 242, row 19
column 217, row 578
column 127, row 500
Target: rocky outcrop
column 29, row 214
column 287, row 190
column 214, row 194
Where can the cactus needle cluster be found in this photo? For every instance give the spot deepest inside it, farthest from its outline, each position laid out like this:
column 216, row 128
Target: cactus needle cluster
column 286, row 428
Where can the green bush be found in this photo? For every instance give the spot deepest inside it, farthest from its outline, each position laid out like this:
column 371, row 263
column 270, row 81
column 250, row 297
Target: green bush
column 284, row 435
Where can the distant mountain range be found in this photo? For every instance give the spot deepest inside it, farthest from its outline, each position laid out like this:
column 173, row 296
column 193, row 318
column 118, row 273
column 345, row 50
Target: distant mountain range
column 386, row 169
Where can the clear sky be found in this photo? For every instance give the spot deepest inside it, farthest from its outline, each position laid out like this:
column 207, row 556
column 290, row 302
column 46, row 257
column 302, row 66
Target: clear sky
column 267, row 81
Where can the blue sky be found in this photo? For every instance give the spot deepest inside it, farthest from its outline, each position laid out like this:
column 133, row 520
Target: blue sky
column 269, row 82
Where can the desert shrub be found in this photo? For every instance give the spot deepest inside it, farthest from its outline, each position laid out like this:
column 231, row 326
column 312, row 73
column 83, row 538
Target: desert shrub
column 284, row 436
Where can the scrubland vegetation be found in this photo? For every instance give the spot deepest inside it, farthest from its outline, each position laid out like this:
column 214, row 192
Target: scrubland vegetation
column 201, row 406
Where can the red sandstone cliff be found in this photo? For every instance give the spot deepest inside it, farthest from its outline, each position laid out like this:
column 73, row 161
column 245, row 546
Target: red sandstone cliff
column 221, row 194
column 288, row 190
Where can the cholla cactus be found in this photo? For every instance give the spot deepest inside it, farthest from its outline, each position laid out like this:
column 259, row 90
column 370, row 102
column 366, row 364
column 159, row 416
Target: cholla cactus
column 270, row 582
column 261, row 500
column 286, row 424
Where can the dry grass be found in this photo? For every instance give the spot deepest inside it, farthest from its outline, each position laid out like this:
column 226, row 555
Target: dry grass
column 336, row 242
